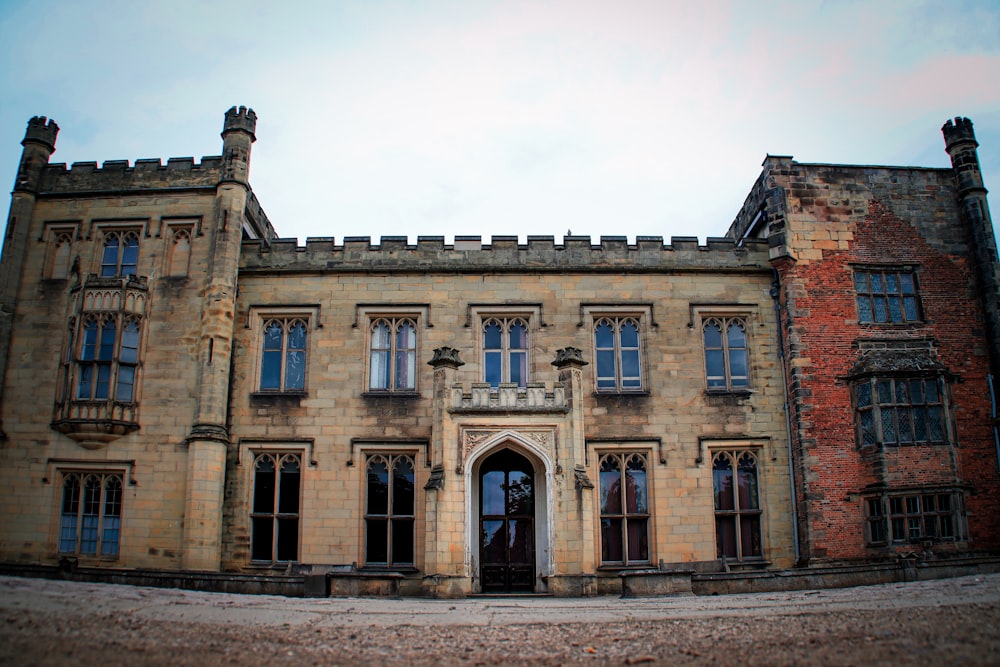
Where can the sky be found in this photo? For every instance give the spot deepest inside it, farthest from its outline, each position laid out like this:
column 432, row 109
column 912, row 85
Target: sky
column 516, row 117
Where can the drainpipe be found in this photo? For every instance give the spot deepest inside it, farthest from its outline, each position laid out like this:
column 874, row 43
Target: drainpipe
column 775, row 293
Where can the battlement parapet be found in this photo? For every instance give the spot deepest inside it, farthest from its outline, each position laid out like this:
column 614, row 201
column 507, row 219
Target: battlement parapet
column 503, row 254
column 42, row 130
column 119, row 176
column 240, row 119
column 958, row 130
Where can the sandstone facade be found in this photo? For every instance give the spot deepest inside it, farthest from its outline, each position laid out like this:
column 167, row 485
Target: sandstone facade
column 184, row 390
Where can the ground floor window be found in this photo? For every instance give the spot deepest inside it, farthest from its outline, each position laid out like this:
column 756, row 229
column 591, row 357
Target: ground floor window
column 274, row 511
column 624, row 509
column 91, row 517
column 389, row 510
column 913, row 517
column 737, row 505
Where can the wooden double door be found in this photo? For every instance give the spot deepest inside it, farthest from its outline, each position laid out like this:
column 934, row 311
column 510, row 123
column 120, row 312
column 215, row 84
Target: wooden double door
column 507, row 523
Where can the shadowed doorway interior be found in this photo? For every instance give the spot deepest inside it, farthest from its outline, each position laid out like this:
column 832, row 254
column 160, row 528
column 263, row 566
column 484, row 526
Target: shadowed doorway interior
column 507, row 523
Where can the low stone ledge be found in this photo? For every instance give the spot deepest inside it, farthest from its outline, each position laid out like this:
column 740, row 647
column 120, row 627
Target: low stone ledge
column 363, row 584
column 648, row 583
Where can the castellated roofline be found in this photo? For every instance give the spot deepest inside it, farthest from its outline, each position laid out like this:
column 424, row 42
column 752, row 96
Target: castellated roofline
column 119, row 175
column 505, row 254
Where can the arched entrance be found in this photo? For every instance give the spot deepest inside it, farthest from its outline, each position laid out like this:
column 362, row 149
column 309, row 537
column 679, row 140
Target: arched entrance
column 507, row 523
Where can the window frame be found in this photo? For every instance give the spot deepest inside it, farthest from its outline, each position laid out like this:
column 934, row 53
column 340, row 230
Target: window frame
column 725, row 322
column 890, row 517
column 118, row 268
column 642, row 514
column 505, row 353
column 873, row 294
column 616, row 321
column 105, row 525
column 870, row 412
column 392, row 353
column 274, row 517
column 258, row 320
column 741, row 518
column 89, row 362
column 390, row 517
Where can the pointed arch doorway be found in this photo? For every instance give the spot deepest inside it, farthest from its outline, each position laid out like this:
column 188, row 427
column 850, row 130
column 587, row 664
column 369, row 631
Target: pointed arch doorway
column 507, row 523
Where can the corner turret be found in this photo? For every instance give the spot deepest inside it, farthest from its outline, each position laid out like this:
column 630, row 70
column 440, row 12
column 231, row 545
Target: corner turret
column 42, row 130
column 39, row 144
column 237, row 136
column 960, row 142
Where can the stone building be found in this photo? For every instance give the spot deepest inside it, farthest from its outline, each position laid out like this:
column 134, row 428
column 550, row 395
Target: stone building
column 185, row 392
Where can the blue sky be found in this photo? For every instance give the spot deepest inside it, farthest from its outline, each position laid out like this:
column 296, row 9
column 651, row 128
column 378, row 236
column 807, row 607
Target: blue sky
column 391, row 117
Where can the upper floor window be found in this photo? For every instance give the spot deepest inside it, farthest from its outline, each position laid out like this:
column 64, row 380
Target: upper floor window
column 179, row 252
column 624, row 509
column 107, row 358
column 389, row 510
column 505, row 351
column 274, row 511
column 283, row 355
column 618, row 354
column 886, row 296
column 900, row 411
column 737, row 505
column 726, row 353
column 393, row 355
column 121, row 254
column 90, row 519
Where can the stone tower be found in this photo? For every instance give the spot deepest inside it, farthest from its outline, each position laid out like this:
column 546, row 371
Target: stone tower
column 209, row 438
column 39, row 144
column 960, row 142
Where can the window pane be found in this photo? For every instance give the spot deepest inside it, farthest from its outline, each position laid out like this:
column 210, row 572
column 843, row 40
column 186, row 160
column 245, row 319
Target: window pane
column 377, row 540
column 865, row 310
column 895, row 309
column 889, row 425
column 492, row 336
column 89, row 350
column 722, row 481
column 297, row 336
column 635, row 486
column 288, row 539
column 378, row 487
column 406, row 369
column 725, row 532
column 611, row 490
column 126, row 381
column 130, row 256
column 521, row 541
column 713, row 334
column 494, row 496
column 295, row 371
column 106, row 351
column 606, row 369
column 519, row 493
column 402, row 541
column 715, row 367
column 379, row 371
column 493, row 369
column 910, row 308
column 262, row 538
column 270, row 370
column 519, row 368
column 736, row 336
column 288, row 487
column 747, row 475
column 906, row 283
column 750, row 536
column 629, row 334
column 494, row 541
column 130, row 343
column 402, row 487
column 630, row 369
column 109, row 260
column 867, row 427
column 263, row 486
column 891, row 283
column 881, row 310
column 876, row 283
column 861, row 282
column 611, row 541
column 738, row 367
column 638, row 540
column 604, row 335
column 103, row 384
column 518, row 336
column 85, row 381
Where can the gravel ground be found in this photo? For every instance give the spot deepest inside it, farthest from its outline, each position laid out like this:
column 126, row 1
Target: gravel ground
column 944, row 622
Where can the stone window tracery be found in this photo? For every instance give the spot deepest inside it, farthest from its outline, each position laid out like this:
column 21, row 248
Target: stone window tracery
column 505, row 351
column 624, row 509
column 618, row 354
column 120, row 254
column 91, row 514
column 283, row 355
column 274, row 511
column 726, row 353
column 390, row 503
column 737, row 505
column 392, row 355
